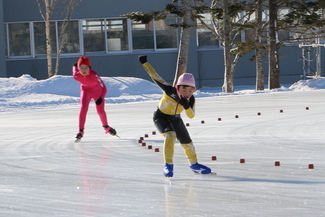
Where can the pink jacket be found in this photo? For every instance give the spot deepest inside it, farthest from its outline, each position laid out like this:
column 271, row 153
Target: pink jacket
column 91, row 82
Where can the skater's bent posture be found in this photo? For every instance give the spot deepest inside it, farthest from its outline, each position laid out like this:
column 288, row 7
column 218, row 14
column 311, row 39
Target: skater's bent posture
column 91, row 87
column 168, row 121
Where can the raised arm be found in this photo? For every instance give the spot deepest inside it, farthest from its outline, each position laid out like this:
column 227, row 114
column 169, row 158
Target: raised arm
column 151, row 71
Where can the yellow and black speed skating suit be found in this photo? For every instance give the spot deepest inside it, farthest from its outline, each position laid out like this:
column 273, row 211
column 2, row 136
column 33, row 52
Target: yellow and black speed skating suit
column 168, row 120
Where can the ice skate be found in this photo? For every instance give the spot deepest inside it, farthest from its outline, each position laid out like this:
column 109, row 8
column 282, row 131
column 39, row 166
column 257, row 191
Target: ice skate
column 169, row 170
column 200, row 169
column 79, row 135
column 110, row 130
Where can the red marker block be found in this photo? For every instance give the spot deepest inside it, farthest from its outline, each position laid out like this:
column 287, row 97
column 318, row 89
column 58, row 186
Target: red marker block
column 187, row 124
column 307, row 108
column 214, row 158
column 149, row 146
column 141, row 138
column 277, row 163
column 242, row 161
column 259, row 113
column 202, row 122
column 146, row 135
column 281, row 111
column 153, row 132
column 236, row 116
column 219, row 119
column 310, row 166
column 156, row 149
column 143, row 144
column 139, row 141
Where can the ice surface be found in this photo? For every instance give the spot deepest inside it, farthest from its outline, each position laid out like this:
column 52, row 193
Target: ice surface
column 44, row 173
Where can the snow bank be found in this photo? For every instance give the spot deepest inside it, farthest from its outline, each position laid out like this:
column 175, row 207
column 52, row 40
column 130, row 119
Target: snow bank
column 26, row 92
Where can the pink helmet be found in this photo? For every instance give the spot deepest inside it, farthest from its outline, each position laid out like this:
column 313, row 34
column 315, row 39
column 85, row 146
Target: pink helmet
column 186, row 79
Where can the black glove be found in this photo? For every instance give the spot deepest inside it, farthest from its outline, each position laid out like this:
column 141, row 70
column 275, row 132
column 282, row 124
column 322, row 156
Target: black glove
column 142, row 59
column 99, row 101
column 76, row 64
column 184, row 102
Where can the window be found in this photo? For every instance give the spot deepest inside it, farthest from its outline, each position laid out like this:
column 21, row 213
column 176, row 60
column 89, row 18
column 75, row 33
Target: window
column 117, row 35
column 154, row 35
column 105, row 35
column 40, row 38
column 102, row 35
column 204, row 36
column 94, row 35
column 70, row 37
column 19, row 39
column 166, row 35
column 143, row 36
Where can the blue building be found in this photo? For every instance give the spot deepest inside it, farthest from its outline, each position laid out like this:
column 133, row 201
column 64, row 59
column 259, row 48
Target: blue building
column 113, row 43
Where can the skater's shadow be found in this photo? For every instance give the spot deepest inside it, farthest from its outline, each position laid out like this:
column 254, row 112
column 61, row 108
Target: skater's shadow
column 243, row 179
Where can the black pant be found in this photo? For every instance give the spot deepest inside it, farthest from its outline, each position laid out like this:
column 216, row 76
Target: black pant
column 165, row 123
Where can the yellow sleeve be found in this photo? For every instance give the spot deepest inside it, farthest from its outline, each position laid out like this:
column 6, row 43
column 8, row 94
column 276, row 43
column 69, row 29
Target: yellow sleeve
column 190, row 112
column 153, row 74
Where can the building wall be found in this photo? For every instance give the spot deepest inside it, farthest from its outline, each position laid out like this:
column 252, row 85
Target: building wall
column 16, row 10
column 3, row 68
column 206, row 65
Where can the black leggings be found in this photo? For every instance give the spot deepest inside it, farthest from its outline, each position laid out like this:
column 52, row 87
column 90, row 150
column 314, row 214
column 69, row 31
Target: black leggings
column 165, row 123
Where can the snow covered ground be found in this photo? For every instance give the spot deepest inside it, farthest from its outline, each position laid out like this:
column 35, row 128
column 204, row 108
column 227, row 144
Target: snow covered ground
column 44, row 173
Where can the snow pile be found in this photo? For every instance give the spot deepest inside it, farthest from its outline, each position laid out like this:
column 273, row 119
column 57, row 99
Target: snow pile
column 311, row 84
column 26, row 92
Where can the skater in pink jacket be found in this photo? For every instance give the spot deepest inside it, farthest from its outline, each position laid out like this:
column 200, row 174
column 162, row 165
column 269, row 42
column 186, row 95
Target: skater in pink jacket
column 91, row 87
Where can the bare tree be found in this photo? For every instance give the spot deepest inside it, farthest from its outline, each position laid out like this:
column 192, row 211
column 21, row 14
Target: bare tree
column 182, row 58
column 47, row 8
column 274, row 71
column 259, row 45
column 69, row 7
column 46, row 11
column 183, row 10
column 228, row 85
column 227, row 24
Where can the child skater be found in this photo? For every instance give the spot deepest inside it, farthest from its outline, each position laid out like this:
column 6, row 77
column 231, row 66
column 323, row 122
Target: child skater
column 168, row 121
column 91, row 87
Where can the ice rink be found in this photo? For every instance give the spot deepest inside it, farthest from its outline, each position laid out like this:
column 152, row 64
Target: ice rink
column 43, row 173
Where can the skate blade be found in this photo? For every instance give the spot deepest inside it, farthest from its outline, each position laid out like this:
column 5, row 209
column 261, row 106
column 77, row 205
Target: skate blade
column 207, row 174
column 168, row 180
column 77, row 140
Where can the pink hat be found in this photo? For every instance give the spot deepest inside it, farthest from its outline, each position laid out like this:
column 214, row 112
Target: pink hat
column 186, row 79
